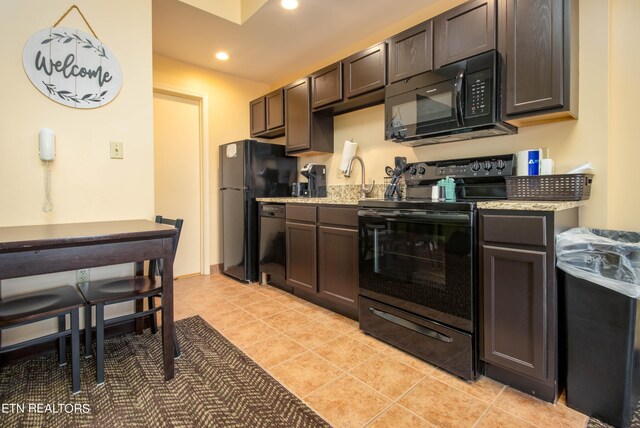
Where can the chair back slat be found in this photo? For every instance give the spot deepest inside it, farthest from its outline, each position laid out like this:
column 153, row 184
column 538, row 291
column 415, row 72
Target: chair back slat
column 155, row 266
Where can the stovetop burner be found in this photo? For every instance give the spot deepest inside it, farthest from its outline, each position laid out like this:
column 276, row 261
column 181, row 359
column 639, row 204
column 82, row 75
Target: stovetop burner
column 477, row 179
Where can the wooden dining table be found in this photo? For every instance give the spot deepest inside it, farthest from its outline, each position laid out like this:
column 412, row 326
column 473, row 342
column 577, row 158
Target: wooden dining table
column 41, row 249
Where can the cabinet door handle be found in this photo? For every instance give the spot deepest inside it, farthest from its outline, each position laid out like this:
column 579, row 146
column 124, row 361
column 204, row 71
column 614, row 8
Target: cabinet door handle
column 412, row 326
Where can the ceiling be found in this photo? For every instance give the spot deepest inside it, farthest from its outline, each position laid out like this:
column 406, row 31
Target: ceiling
column 237, row 11
column 273, row 42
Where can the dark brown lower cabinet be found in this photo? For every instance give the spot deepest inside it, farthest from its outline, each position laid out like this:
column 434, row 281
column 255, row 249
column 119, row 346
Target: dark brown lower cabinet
column 322, row 255
column 519, row 330
column 515, row 318
column 338, row 265
column 301, row 262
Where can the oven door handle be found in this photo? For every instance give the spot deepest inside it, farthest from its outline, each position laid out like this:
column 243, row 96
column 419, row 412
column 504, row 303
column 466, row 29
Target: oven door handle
column 419, row 216
column 411, row 326
column 459, row 112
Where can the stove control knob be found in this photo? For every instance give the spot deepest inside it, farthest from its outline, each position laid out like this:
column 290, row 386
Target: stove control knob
column 413, row 170
column 488, row 166
column 421, row 169
column 475, row 166
column 500, row 165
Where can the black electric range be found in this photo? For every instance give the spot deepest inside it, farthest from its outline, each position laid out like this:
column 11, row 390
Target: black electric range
column 419, row 204
column 418, row 281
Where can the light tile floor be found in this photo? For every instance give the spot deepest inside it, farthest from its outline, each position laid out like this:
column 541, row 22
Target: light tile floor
column 347, row 377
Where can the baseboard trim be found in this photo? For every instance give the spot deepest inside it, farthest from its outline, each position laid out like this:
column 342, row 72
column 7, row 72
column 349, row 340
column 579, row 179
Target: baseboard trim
column 52, row 347
column 189, row 275
column 216, row 268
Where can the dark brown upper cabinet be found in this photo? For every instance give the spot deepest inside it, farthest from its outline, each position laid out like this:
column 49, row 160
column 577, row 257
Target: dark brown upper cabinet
column 363, row 77
column 326, row 85
column 365, row 71
column 306, row 132
column 267, row 115
column 411, row 52
column 298, row 112
column 538, row 41
column 275, row 109
column 464, row 31
column 257, row 116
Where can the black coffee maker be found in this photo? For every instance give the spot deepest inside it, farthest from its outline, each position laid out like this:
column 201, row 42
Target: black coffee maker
column 317, row 176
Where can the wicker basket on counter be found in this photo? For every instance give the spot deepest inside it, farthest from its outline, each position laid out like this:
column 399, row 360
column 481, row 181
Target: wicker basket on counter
column 557, row 187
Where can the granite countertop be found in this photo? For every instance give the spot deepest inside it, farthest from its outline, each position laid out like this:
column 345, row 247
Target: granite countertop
column 489, row 205
column 346, row 194
column 530, row 205
column 303, row 200
column 350, row 195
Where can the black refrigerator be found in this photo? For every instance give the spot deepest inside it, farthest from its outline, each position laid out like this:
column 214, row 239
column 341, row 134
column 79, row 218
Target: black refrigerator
column 248, row 170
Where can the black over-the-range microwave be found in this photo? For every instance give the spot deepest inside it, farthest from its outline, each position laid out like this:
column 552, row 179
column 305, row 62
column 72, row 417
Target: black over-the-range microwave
column 456, row 102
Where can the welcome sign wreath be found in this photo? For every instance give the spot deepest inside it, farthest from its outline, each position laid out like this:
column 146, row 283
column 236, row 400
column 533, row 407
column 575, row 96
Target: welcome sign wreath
column 71, row 67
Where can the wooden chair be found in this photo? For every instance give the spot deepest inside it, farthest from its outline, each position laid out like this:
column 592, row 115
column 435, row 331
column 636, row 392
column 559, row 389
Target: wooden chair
column 54, row 302
column 136, row 288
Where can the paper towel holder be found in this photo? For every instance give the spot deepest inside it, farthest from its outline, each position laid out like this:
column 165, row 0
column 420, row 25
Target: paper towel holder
column 348, row 151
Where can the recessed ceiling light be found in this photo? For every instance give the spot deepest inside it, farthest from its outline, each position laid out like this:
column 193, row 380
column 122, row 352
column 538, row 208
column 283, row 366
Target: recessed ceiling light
column 222, row 56
column 289, row 4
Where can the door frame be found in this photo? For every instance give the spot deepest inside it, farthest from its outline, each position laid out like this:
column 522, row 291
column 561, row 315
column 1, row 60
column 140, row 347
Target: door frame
column 205, row 197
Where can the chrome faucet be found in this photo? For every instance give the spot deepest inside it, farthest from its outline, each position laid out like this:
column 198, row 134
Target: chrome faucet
column 364, row 190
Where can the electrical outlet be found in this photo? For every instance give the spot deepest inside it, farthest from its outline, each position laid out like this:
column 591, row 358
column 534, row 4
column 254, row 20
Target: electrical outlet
column 116, row 150
column 82, row 275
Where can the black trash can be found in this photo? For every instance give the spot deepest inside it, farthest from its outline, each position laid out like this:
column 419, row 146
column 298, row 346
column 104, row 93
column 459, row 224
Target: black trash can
column 601, row 330
column 603, row 342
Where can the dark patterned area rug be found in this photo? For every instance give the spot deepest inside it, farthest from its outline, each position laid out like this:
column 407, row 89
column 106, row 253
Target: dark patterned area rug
column 216, row 385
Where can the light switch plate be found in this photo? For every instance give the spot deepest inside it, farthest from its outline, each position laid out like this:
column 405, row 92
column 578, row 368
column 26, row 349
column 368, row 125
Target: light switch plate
column 116, row 150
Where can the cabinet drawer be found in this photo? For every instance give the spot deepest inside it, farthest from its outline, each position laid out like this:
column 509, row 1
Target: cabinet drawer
column 423, row 338
column 339, row 216
column 301, row 213
column 514, row 229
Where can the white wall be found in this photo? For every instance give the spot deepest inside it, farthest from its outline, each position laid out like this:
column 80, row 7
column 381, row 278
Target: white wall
column 178, row 174
column 87, row 184
column 228, row 107
column 624, row 132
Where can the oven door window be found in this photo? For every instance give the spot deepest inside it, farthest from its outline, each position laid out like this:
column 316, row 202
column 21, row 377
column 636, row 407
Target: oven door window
column 424, row 110
column 420, row 266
